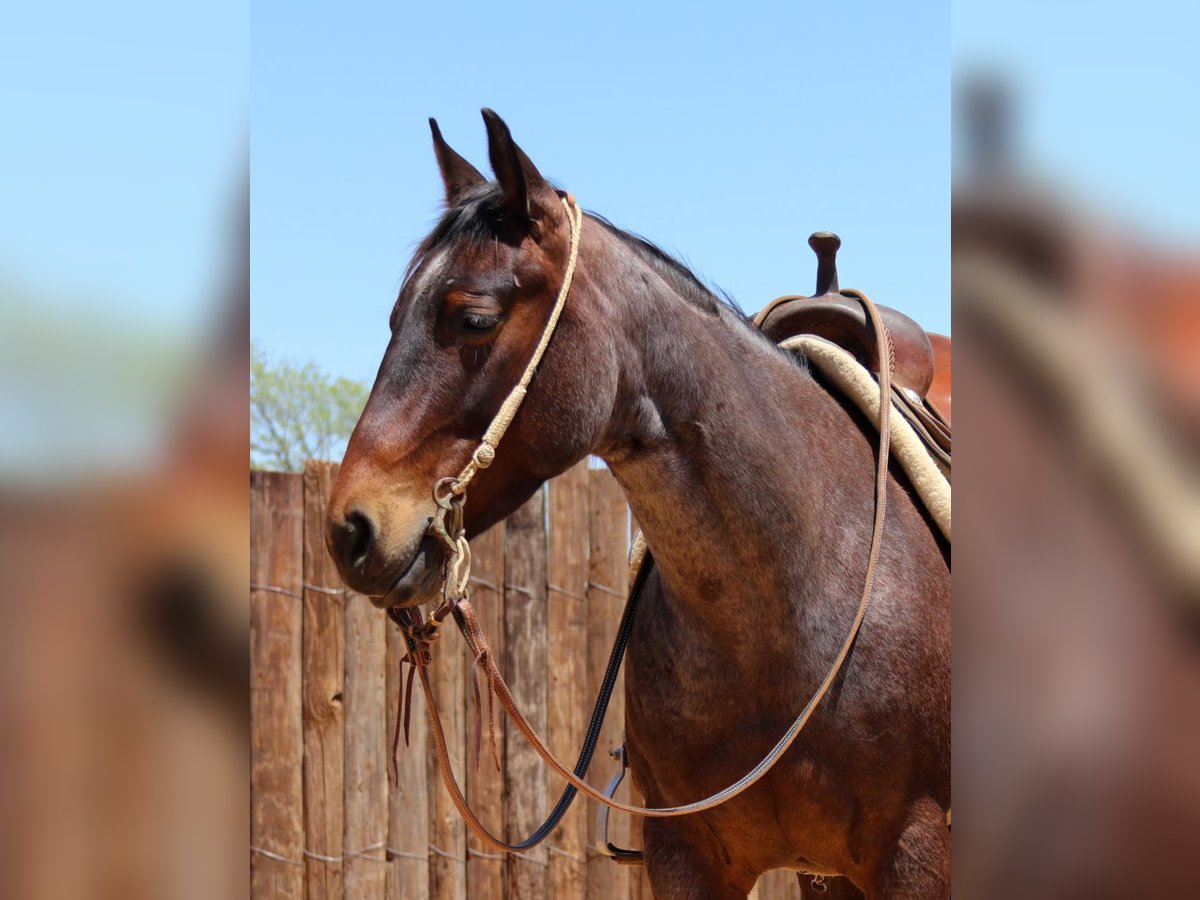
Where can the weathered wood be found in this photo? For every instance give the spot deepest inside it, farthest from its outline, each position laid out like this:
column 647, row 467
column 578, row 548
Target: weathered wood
column 276, row 737
column 778, row 884
column 568, row 701
column 366, row 787
column 607, row 577
column 525, row 669
column 484, row 783
column 447, row 831
column 552, row 645
column 408, row 798
column 324, row 687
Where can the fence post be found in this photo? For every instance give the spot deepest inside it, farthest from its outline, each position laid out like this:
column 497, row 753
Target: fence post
column 276, row 742
column 485, row 785
column 525, row 668
column 366, row 825
column 447, row 831
column 607, row 576
column 324, row 691
column 567, row 675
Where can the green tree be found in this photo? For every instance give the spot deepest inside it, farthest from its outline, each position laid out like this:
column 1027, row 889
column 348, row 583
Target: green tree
column 299, row 413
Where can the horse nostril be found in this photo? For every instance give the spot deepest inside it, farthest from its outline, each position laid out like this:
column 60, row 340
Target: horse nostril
column 352, row 539
column 364, row 537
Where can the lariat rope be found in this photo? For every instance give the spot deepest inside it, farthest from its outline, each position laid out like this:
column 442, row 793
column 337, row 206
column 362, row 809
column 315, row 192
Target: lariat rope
column 448, row 527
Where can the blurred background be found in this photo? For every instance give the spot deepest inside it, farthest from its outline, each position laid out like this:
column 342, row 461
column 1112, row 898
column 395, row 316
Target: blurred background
column 126, row 362
column 1076, row 285
column 124, row 326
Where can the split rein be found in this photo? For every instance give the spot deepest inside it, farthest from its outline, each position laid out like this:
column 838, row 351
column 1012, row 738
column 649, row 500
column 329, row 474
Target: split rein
column 448, row 527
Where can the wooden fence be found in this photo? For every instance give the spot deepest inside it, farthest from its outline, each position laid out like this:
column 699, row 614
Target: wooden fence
column 330, row 817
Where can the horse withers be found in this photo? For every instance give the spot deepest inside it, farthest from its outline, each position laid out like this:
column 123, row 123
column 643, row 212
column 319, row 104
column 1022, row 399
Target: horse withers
column 753, row 485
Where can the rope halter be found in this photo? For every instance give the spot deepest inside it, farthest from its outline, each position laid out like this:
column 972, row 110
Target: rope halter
column 450, row 494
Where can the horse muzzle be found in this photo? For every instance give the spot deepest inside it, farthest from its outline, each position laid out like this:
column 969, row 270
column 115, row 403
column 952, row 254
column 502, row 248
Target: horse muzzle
column 420, row 581
column 389, row 576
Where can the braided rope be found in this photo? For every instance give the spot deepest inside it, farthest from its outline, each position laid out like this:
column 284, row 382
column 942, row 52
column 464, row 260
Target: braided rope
column 485, row 453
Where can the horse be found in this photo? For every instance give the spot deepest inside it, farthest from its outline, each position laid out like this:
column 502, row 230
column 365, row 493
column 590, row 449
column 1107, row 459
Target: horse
column 754, row 487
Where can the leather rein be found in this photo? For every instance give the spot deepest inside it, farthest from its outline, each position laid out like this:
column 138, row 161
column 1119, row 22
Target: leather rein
column 450, row 495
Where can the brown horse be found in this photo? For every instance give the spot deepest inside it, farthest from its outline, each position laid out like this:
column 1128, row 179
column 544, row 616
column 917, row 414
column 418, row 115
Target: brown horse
column 754, row 487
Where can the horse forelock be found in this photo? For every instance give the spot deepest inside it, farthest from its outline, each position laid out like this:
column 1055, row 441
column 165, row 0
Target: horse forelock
column 472, row 219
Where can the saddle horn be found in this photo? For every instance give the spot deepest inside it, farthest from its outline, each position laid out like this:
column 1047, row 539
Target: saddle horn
column 825, row 244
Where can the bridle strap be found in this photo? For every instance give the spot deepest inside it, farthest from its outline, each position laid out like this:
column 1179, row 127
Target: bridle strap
column 474, row 636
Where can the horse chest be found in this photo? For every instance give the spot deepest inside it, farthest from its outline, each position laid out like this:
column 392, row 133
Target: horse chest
column 686, row 689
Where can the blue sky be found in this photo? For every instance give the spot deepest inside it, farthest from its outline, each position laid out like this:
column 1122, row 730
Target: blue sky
column 726, row 137
column 1105, row 100
column 122, row 181
column 123, row 157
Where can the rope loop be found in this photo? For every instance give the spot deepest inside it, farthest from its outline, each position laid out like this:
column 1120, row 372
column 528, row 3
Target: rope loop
column 444, row 493
column 458, row 572
column 483, row 456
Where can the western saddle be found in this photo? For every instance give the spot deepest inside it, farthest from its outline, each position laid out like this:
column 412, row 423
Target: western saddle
column 920, row 377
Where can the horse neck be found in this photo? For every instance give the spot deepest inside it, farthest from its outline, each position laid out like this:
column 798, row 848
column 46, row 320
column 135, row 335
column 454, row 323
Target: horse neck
column 714, row 437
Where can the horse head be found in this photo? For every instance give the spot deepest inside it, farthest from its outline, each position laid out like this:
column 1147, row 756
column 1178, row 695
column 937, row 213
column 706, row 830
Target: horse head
column 473, row 305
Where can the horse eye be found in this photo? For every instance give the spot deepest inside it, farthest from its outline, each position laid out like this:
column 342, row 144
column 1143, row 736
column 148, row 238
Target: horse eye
column 478, row 323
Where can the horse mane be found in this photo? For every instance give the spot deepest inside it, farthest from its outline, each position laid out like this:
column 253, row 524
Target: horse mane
column 689, row 287
column 678, row 275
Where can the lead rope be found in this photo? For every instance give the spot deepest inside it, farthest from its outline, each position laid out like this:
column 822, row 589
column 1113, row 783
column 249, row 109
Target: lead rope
column 449, row 494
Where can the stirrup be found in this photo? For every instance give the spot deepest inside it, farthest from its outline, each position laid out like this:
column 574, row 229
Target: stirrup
column 604, row 845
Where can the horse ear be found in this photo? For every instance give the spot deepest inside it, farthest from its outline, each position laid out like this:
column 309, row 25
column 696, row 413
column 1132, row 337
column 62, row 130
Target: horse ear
column 524, row 187
column 458, row 175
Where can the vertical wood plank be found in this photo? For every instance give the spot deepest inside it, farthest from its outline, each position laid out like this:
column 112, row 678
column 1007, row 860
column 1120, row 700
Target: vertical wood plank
column 525, row 669
column 447, row 831
column 485, row 784
column 568, row 702
column 408, row 798
column 607, row 577
column 366, row 786
column 324, row 687
column 276, row 737
column 639, row 888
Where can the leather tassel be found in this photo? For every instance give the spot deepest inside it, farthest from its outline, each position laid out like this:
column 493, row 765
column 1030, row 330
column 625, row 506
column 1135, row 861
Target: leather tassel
column 477, row 722
column 408, row 700
column 492, row 721
column 399, row 717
